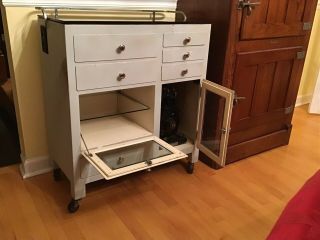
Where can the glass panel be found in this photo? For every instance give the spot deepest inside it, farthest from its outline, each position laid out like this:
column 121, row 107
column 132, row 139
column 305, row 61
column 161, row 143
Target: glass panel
column 117, row 104
column 213, row 122
column 130, row 155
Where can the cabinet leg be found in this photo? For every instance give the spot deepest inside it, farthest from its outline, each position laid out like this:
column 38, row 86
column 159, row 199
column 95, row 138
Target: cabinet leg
column 193, row 160
column 190, row 167
column 73, row 206
column 57, row 174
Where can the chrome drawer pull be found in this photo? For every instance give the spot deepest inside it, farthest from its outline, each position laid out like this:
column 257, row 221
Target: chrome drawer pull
column 184, row 72
column 187, row 40
column 121, row 76
column 121, row 48
column 186, row 56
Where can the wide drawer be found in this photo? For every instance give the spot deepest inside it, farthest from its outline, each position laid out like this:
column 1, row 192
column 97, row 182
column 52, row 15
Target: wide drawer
column 185, row 39
column 116, row 47
column 103, row 75
column 178, row 54
column 134, row 156
column 172, row 71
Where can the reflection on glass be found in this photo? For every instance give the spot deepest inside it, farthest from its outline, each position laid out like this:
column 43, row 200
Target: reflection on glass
column 138, row 153
column 121, row 104
column 213, row 122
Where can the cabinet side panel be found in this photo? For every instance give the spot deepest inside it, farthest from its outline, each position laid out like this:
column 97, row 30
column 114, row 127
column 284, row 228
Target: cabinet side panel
column 146, row 96
column 56, row 95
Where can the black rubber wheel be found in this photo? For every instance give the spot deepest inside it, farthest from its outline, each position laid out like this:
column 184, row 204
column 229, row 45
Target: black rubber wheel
column 57, row 174
column 190, row 168
column 73, row 206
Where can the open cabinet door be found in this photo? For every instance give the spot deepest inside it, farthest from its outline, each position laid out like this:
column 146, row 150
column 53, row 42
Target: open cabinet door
column 133, row 156
column 214, row 121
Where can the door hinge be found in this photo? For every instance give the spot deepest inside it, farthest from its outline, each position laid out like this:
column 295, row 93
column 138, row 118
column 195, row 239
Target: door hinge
column 88, row 153
column 301, row 55
column 307, row 26
column 288, row 110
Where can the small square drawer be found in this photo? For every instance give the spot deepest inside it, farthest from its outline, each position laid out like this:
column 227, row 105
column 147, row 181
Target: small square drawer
column 89, row 48
column 179, row 54
column 171, row 71
column 103, row 75
column 185, row 39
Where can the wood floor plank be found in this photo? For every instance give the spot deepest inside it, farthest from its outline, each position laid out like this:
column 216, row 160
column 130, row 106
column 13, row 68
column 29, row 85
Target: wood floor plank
column 241, row 201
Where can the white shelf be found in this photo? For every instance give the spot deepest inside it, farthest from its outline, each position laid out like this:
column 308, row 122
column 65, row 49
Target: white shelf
column 186, row 148
column 110, row 130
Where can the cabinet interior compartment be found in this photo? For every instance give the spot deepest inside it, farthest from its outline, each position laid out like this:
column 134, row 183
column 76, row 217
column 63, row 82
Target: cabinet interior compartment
column 179, row 114
column 118, row 116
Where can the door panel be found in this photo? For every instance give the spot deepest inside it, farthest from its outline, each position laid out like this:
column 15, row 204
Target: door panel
column 274, row 18
column 265, row 80
column 280, row 84
column 263, row 86
column 117, row 160
column 214, row 121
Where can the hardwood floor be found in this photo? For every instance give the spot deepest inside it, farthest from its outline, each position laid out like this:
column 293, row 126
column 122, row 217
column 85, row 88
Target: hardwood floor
column 241, row 201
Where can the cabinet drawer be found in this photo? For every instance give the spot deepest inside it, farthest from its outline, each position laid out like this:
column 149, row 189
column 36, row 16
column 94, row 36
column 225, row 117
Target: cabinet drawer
column 179, row 54
column 185, row 39
column 172, row 71
column 103, row 75
column 116, row 47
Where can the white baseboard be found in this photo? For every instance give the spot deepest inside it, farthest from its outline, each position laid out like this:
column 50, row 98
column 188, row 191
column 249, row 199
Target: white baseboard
column 303, row 99
column 35, row 166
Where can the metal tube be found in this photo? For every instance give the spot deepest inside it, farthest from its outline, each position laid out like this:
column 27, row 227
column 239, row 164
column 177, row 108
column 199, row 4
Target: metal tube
column 152, row 12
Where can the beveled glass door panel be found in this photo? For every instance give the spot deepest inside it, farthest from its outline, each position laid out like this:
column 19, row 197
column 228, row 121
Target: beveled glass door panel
column 121, row 159
column 130, row 155
column 214, row 121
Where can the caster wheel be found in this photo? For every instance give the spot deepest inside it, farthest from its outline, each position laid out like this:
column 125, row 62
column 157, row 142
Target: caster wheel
column 57, row 175
column 190, row 168
column 73, row 206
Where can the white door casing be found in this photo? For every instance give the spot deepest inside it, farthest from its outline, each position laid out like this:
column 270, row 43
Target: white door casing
column 315, row 103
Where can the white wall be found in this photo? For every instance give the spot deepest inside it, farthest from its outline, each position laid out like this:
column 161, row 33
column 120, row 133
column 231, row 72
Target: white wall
column 23, row 43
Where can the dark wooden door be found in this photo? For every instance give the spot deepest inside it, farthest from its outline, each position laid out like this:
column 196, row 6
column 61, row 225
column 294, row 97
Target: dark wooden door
column 267, row 83
column 277, row 18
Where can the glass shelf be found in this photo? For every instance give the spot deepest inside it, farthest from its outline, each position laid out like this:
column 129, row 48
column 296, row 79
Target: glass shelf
column 130, row 155
column 113, row 104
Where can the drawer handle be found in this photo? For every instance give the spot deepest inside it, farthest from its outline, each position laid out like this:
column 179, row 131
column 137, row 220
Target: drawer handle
column 121, row 48
column 121, row 76
column 186, row 56
column 187, row 40
column 184, row 72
